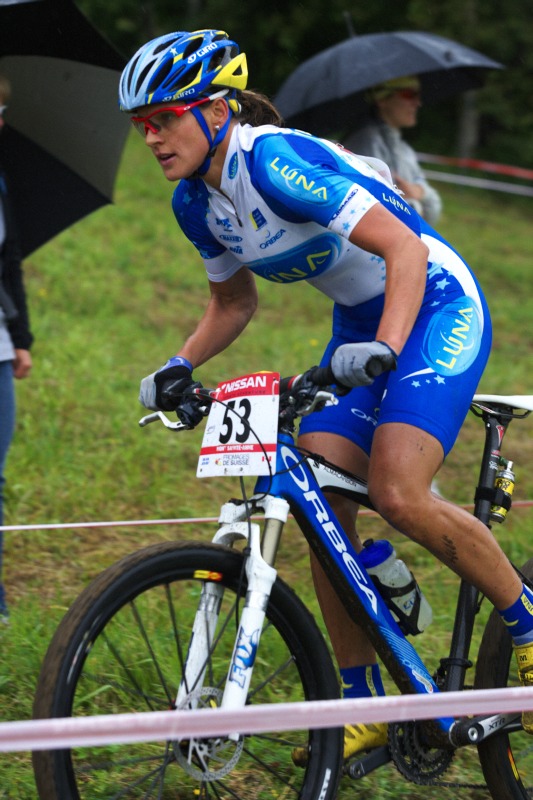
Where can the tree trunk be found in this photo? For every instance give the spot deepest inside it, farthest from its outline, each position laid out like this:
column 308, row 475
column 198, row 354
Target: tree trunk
column 468, row 127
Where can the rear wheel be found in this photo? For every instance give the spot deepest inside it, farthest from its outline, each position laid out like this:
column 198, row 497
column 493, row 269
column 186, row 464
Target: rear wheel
column 121, row 648
column 506, row 758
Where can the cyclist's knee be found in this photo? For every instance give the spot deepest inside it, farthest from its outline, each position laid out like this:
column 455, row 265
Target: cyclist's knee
column 393, row 503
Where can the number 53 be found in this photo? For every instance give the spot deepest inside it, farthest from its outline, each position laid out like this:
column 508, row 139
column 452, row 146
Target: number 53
column 242, row 410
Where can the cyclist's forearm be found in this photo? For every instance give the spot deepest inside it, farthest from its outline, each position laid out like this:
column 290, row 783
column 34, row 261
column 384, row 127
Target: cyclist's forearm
column 404, row 292
column 228, row 312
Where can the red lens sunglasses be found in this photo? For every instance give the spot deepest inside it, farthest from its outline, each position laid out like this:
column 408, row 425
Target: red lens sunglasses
column 143, row 124
column 408, row 94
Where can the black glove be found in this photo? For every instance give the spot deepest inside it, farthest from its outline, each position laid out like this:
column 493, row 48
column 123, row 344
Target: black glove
column 170, row 384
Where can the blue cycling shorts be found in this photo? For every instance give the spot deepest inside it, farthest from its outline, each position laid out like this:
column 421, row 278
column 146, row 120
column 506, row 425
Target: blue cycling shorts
column 438, row 370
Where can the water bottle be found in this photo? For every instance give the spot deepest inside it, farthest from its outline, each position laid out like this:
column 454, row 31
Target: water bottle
column 397, row 586
column 504, row 481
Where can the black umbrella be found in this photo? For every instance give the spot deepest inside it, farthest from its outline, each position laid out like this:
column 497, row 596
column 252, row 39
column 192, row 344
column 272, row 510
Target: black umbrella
column 325, row 94
column 64, row 136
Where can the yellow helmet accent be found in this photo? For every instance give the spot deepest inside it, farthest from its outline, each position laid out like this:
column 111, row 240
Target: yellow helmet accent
column 234, row 74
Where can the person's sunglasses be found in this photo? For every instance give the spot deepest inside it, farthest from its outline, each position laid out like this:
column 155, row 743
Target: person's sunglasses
column 408, row 94
column 163, row 118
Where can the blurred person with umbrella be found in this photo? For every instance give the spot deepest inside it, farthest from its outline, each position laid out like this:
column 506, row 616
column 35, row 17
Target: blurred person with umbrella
column 15, row 335
column 326, row 93
column 394, row 106
column 258, row 199
column 60, row 147
column 64, row 138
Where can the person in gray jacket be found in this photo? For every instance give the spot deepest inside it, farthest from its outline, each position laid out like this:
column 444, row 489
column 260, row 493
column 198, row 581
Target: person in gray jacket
column 395, row 104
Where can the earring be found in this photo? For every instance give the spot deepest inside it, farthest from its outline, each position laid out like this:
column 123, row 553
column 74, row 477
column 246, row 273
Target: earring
column 217, row 127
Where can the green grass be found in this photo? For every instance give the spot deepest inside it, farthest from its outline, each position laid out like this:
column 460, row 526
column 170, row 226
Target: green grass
column 111, row 299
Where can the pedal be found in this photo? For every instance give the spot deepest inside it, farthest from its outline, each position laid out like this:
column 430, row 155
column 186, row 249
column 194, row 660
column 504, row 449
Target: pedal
column 368, row 763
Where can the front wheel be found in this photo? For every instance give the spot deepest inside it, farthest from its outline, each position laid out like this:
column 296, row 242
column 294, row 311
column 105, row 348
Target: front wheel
column 506, row 758
column 121, row 648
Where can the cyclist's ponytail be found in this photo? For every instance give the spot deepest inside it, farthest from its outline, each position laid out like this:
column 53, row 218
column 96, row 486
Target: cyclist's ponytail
column 257, row 109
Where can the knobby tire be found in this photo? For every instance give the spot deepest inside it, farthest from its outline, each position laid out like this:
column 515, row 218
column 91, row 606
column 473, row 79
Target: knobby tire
column 506, row 758
column 121, row 648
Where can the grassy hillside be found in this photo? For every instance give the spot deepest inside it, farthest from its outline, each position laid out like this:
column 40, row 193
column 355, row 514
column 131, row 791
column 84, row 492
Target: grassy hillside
column 111, row 300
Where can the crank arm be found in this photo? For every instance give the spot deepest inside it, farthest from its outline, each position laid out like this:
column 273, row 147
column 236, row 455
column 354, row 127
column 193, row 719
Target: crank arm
column 368, row 763
column 475, row 730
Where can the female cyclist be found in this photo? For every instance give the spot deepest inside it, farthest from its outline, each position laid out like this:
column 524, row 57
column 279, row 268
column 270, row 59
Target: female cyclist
column 257, row 199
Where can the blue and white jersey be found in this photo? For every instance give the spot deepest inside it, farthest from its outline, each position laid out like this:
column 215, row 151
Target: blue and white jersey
column 286, row 207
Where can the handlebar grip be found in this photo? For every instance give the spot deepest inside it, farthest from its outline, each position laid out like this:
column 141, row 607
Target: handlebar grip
column 374, row 367
column 322, row 376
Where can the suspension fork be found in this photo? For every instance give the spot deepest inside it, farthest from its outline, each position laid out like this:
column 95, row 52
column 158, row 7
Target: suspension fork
column 261, row 575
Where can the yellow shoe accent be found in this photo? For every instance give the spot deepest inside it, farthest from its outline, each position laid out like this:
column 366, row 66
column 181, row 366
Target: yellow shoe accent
column 364, row 737
column 524, row 658
column 356, row 739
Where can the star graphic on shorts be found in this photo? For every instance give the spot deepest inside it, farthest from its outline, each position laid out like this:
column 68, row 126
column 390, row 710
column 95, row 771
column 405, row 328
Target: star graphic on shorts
column 439, row 379
column 416, row 384
column 442, row 284
column 435, row 269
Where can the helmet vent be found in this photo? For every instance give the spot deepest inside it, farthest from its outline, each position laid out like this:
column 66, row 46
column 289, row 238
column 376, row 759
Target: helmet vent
column 160, row 76
column 192, row 47
column 142, row 77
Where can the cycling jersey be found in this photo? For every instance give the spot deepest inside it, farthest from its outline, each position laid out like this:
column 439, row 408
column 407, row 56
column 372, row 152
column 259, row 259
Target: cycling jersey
column 286, row 206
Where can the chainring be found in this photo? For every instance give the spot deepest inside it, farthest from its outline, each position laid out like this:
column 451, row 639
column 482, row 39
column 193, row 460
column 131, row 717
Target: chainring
column 414, row 758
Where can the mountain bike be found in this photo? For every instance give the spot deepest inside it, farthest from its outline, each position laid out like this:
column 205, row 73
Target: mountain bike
column 194, row 625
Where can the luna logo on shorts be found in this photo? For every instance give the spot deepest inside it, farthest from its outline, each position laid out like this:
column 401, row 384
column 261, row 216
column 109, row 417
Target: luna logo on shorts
column 453, row 337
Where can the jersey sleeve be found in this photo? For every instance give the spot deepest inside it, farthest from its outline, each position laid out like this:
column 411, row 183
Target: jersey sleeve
column 303, row 179
column 190, row 204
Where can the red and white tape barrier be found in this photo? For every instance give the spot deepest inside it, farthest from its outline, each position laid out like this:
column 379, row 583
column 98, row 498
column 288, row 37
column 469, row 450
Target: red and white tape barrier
column 474, row 163
column 520, row 173
column 48, row 734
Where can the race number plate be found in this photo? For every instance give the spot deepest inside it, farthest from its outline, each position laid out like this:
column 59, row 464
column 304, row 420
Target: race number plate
column 241, row 432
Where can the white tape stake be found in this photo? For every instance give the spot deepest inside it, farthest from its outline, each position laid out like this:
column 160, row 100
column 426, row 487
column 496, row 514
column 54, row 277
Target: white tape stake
column 49, row 734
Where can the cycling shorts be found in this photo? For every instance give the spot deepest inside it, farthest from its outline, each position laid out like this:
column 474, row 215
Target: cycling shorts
column 438, row 372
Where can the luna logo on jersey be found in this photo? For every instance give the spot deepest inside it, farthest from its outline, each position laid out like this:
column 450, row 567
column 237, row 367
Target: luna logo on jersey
column 453, row 337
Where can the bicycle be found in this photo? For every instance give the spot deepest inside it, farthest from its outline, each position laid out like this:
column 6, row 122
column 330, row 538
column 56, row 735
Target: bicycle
column 191, row 625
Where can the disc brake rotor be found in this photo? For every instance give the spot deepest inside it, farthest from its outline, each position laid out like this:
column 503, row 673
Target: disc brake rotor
column 196, row 756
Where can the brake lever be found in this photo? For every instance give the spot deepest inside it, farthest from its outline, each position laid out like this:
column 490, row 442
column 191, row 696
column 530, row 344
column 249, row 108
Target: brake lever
column 317, row 402
column 159, row 415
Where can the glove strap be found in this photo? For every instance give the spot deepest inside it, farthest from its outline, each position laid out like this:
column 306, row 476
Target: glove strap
column 178, row 361
column 389, row 348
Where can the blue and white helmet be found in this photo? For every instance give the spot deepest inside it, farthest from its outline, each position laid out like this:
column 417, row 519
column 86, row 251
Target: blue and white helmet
column 183, row 66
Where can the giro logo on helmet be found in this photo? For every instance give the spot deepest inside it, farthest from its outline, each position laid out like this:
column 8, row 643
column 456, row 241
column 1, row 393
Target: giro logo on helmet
column 208, row 48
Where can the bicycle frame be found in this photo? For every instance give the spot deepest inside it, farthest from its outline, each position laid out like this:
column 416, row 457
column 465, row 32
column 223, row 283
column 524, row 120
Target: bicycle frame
column 298, row 486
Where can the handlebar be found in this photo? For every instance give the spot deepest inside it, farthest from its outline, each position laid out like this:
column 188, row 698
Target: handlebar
column 318, row 376
column 299, row 396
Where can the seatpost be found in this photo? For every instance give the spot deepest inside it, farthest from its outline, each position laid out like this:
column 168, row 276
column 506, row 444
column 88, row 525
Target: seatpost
column 496, row 424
